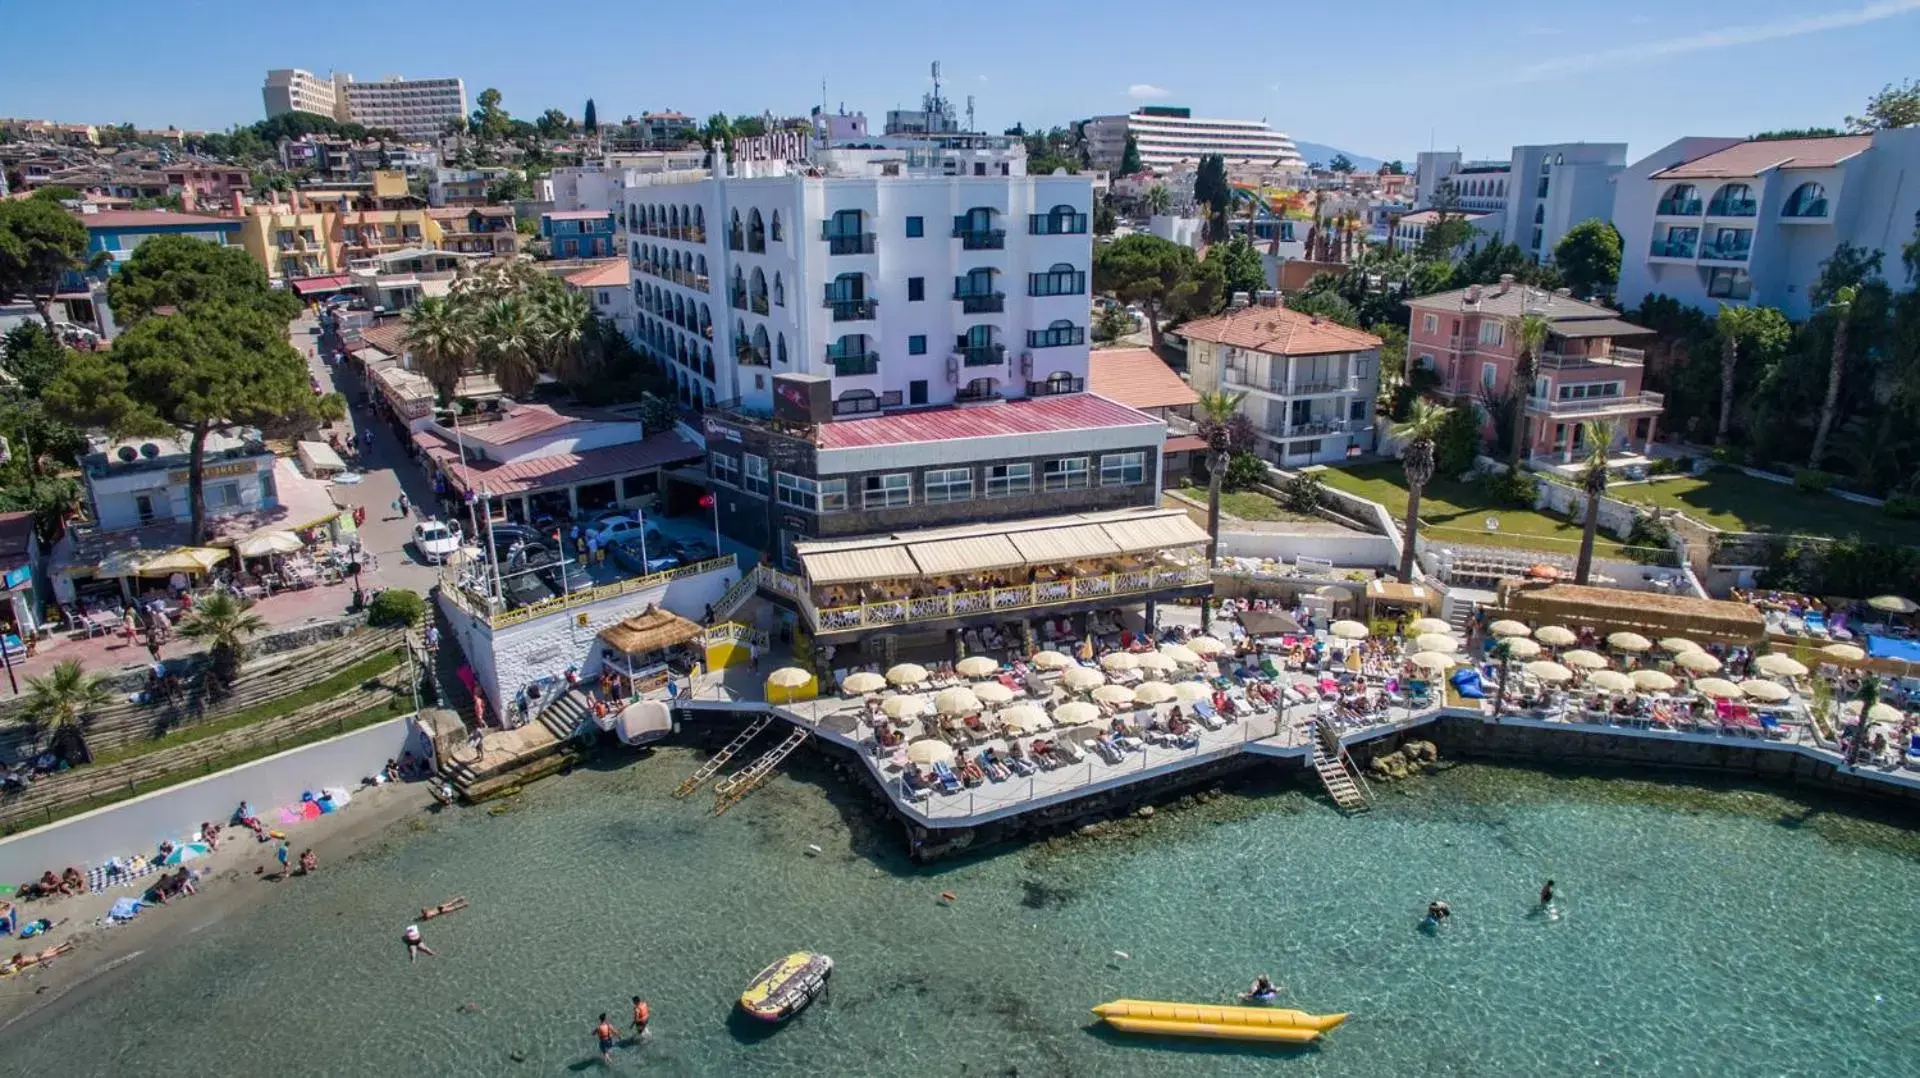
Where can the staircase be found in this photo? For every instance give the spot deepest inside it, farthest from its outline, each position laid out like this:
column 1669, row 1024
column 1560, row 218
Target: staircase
column 1330, row 762
column 728, row 791
column 720, row 759
column 1462, row 617
column 564, row 715
column 734, row 598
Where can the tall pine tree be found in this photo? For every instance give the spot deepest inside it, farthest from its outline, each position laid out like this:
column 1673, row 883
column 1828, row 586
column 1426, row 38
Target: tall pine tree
column 590, row 119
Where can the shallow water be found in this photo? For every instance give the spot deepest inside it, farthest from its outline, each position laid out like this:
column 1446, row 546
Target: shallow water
column 1700, row 932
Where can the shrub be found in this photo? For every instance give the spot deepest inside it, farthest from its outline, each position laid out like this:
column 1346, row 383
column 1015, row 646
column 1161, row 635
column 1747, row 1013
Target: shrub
column 1302, row 492
column 1244, row 471
column 1902, row 506
column 396, row 607
column 1458, row 444
column 1648, row 540
column 1728, row 454
column 1515, row 491
column 1671, row 466
column 1812, row 481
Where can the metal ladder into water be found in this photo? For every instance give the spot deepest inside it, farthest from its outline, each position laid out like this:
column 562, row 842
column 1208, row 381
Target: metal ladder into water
column 729, row 791
column 1343, row 784
column 720, row 759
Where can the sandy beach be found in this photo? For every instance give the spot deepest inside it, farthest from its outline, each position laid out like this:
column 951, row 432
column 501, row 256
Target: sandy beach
column 228, row 885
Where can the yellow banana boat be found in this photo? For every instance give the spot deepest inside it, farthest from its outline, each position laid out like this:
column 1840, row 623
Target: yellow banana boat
column 1272, row 1024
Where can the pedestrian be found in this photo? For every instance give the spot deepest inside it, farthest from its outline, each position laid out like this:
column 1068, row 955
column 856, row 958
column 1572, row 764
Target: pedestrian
column 406, row 507
column 1546, row 894
column 753, row 656
column 153, row 644
column 280, row 855
column 640, row 1016
column 433, row 638
column 308, row 862
column 129, row 625
column 605, row 1034
column 415, row 945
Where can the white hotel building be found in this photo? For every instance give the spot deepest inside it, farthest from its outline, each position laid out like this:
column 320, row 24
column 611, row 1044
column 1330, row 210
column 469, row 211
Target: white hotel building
column 1168, row 137
column 417, row 109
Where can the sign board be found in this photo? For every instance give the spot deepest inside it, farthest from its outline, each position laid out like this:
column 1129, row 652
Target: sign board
column 214, row 471
column 805, row 399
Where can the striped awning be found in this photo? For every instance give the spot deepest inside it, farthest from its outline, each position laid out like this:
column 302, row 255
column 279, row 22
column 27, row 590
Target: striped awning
column 971, row 555
column 1064, row 544
column 865, row 563
column 1155, row 533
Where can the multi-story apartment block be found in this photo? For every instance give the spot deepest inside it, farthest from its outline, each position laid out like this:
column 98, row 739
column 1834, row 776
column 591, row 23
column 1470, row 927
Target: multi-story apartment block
column 291, row 89
column 579, row 233
column 477, row 230
column 1529, row 200
column 207, row 187
column 1405, row 232
column 1470, row 338
column 1310, row 384
column 416, row 109
column 463, row 187
column 1712, row 221
column 1168, row 136
column 302, row 240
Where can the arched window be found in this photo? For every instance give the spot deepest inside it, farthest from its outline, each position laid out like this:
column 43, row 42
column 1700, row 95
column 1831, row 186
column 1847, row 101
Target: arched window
column 1732, row 200
column 1059, row 382
column 706, row 394
column 1808, row 200
column 1681, row 200
column 757, row 291
column 977, row 389
column 762, row 348
column 1539, row 215
column 756, row 232
column 700, row 267
column 780, row 349
column 1059, row 333
column 737, row 295
column 779, row 286
column 673, row 218
column 699, row 217
column 779, row 233
column 706, row 320
column 736, row 235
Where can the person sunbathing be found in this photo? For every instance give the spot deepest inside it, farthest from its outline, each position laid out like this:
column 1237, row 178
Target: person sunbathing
column 73, row 882
column 451, row 905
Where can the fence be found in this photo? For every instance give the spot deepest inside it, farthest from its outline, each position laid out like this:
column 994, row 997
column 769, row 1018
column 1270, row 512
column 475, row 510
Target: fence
column 869, row 615
column 478, row 605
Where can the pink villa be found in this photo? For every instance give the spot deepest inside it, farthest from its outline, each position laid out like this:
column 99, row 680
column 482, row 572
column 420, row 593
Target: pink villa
column 1470, row 338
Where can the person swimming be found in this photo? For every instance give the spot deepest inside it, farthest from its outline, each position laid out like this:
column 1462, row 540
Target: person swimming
column 1546, row 894
column 1262, row 989
column 1438, row 911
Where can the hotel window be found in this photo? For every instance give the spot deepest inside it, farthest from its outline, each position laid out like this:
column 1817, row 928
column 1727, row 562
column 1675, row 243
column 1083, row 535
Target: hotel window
column 1488, row 375
column 916, row 289
column 916, row 227
column 1493, row 333
column 1009, row 480
column 815, row 496
column 890, row 491
column 1067, row 473
column 949, row 485
column 917, row 344
column 755, row 468
column 1123, row 469
column 724, row 469
column 1429, row 323
column 1589, row 390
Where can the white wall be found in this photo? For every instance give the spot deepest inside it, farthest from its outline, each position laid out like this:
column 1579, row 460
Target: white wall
column 1354, row 549
column 137, row 826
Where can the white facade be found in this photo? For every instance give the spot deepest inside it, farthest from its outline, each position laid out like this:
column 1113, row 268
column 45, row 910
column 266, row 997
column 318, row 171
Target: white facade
column 1167, row 137
column 291, row 89
column 1712, row 221
column 418, row 109
column 1556, row 187
column 137, row 483
column 1429, row 169
column 910, row 276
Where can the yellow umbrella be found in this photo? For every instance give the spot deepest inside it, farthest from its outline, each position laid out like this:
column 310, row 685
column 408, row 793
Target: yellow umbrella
column 1155, row 661
column 907, row 674
column 1191, row 691
column 1678, row 644
column 1877, row 713
column 186, row 559
column 1697, row 661
column 975, row 666
column 1051, row 660
column 1549, row 671
column 1893, row 604
column 1584, row 659
column 261, row 544
column 930, row 750
column 1777, row 665
column 1348, row 630
column 863, row 681
column 1610, row 681
column 1508, row 627
column 1152, row 692
column 1844, row 652
column 1520, row 647
column 789, row 677
column 1082, row 678
column 1075, row 712
column 1429, row 625
column 992, row 692
column 1024, row 719
column 1653, row 680
column 1625, row 641
column 1769, row 692
column 956, row 702
column 905, row 706
column 1182, row 655
column 1205, row 645
column 1717, row 687
column 1118, row 660
column 1118, row 695
column 1432, row 660
column 1555, row 636
column 1440, row 642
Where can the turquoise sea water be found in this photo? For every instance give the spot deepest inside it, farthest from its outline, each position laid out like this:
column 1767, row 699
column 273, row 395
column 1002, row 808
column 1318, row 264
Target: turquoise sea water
column 1701, row 933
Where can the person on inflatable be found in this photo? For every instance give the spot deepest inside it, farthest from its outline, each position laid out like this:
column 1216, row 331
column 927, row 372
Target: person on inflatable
column 1261, row 991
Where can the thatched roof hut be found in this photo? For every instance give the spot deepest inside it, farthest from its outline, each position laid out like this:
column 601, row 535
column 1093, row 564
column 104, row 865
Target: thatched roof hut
column 652, row 629
column 1648, row 613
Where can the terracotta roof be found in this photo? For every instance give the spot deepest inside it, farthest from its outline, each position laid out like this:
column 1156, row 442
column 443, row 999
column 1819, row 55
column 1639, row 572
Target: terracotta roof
column 389, row 337
column 151, row 219
column 1278, row 331
column 531, row 420
column 1184, row 443
column 1754, row 158
column 1137, row 378
column 1035, row 415
column 610, row 274
column 566, row 469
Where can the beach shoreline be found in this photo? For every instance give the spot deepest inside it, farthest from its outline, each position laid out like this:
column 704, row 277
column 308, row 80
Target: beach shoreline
column 228, row 886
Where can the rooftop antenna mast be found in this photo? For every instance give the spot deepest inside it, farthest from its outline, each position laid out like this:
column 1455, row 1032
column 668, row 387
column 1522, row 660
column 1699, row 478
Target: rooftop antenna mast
column 969, row 112
column 936, row 83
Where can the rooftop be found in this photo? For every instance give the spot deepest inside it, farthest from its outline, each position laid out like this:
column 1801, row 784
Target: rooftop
column 152, row 218
column 1512, row 302
column 577, row 215
column 1278, row 331
column 16, row 538
column 1754, row 158
column 1037, row 415
column 609, row 274
column 524, row 421
column 566, row 469
column 1137, row 378
column 390, row 337
column 1427, row 217
column 936, row 552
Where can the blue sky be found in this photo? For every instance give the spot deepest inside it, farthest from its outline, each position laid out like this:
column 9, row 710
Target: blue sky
column 1385, row 78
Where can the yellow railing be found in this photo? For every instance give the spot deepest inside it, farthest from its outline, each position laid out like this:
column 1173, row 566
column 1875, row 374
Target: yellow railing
column 889, row 612
column 733, row 632
column 477, row 606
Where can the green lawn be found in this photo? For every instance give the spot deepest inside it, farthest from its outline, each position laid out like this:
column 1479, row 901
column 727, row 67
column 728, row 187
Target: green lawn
column 1732, row 500
column 1456, row 511
column 1247, row 504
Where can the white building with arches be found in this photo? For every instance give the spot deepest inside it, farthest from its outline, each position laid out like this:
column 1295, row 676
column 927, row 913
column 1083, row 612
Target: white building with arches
column 1713, row 221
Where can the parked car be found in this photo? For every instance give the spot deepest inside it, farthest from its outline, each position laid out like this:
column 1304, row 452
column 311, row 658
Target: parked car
column 435, row 540
column 509, row 539
column 565, row 577
column 617, row 529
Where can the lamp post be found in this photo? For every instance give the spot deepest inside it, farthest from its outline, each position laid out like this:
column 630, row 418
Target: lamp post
column 485, row 504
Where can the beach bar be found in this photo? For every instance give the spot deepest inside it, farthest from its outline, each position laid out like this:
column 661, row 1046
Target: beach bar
column 1650, row 614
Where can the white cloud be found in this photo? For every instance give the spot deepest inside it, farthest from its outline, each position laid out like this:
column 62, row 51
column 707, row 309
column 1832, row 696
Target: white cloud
column 1144, row 91
column 983, row 78
column 1709, row 40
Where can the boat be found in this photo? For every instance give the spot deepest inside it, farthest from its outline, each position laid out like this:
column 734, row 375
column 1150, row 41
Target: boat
column 1274, row 1024
column 784, row 989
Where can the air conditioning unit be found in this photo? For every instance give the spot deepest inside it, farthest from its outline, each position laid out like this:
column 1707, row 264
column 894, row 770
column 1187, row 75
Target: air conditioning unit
column 1026, row 364
column 953, row 370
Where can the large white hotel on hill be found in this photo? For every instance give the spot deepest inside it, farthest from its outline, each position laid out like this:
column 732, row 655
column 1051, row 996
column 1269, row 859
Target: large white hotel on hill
column 1168, row 137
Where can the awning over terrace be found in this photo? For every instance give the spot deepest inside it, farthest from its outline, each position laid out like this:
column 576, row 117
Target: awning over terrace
column 982, row 548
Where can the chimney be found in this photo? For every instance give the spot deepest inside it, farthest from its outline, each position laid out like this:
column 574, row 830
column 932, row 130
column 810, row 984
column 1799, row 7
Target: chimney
column 237, row 199
column 1506, row 282
column 1473, row 294
column 1240, row 299
column 1269, row 298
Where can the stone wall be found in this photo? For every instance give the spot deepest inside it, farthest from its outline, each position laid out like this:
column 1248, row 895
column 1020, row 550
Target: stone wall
column 1351, row 549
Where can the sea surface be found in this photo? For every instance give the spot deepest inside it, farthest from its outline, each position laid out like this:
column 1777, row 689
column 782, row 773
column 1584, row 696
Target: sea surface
column 1700, row 931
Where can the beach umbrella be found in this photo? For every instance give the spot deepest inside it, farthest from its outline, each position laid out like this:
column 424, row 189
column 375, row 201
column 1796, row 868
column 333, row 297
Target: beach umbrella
column 1697, row 661
column 975, row 666
column 1555, row 636
column 1082, row 678
column 1610, row 681
column 930, row 750
column 1519, row 647
column 905, row 706
column 1775, row 664
column 992, row 692
column 1429, row 625
column 1547, row 671
column 1118, row 695
column 1881, row 712
column 1844, row 652
column 262, row 544
column 1205, row 645
column 907, row 674
column 1075, row 712
column 1717, row 687
column 1024, row 719
column 1678, row 644
column 1348, row 630
column 863, row 681
column 956, row 702
column 1769, row 692
column 1653, row 680
column 1155, row 661
column 186, row 559
column 1118, row 660
column 1440, row 642
column 1190, row 692
column 1182, row 655
column 186, row 851
column 789, row 677
column 1893, row 604
column 1625, row 641
column 1507, row 627
column 1584, row 659
column 1152, row 692
column 1051, row 660
column 1432, row 660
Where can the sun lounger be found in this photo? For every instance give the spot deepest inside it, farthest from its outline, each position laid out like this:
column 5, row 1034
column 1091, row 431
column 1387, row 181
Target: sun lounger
column 949, row 782
column 1129, row 744
column 1207, row 716
column 912, row 788
column 1021, row 766
column 1068, row 751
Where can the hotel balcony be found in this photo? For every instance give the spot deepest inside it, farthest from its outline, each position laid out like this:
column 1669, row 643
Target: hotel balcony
column 868, row 405
column 1314, row 428
column 1670, row 249
column 981, row 239
column 847, row 243
column 1056, row 386
column 852, row 365
column 1678, row 207
column 1814, row 210
column 1047, row 224
column 1551, row 360
column 1631, row 403
column 1732, row 207
column 1725, row 254
column 1280, row 387
column 853, row 310
column 982, row 355
column 749, row 356
column 981, row 302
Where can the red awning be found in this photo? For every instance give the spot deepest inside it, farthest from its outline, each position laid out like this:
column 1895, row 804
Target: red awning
column 307, row 286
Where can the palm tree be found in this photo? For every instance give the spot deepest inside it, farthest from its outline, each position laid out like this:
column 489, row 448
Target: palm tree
column 1159, row 199
column 1217, row 409
column 1869, row 696
column 1421, row 427
column 561, row 319
column 1530, row 330
column 1842, row 307
column 440, row 339
column 62, row 702
column 510, row 346
column 1761, row 329
column 223, row 623
column 1593, row 480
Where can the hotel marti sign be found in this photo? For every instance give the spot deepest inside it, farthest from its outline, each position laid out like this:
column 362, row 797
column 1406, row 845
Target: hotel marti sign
column 214, row 471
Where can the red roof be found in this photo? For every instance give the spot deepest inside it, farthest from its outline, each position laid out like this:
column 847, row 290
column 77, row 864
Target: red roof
column 304, row 285
column 566, row 469
column 1037, row 415
column 151, row 219
column 530, row 420
column 1137, row 378
column 390, row 337
column 1754, row 158
column 1278, row 331
column 1184, row 443
column 606, row 275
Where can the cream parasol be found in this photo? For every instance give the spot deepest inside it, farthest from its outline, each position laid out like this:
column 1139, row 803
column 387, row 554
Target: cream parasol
column 1653, row 680
column 1846, row 653
column 1116, row 661
column 1440, row 642
column 1024, row 719
column 1625, row 641
column 1182, row 655
column 1678, row 644
column 975, row 666
column 1584, row 659
column 1697, row 661
column 1520, row 647
column 1775, row 664
column 863, row 681
column 789, row 677
column 1192, row 691
column 956, row 701
column 1152, row 692
column 1429, row 625
column 1555, row 636
column 992, row 692
column 1717, row 687
column 1118, row 695
column 1610, row 681
column 1051, row 660
column 1769, row 692
column 930, row 751
column 1082, row 678
column 907, row 706
column 1159, row 662
column 1508, row 627
column 1548, row 671
column 1893, row 604
column 907, row 674
column 1205, row 645
column 1432, row 660
column 1075, row 712
column 1348, row 630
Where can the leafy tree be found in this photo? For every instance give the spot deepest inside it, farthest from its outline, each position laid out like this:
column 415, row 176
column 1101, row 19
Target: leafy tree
column 1163, row 277
column 1103, row 217
column 209, row 368
column 1589, row 257
column 1328, row 305
column 39, row 242
column 589, row 118
column 1158, row 199
column 1841, row 307
column 1447, row 234
column 749, row 126
column 223, row 623
column 1529, row 332
column 1112, row 323
column 52, row 499
column 1593, row 481
column 1847, row 267
column 554, row 124
column 1211, row 189
column 54, row 193
column 173, row 271
column 398, row 607
column 509, row 345
column 490, row 123
column 1393, row 168
column 560, row 319
column 1241, row 266
column 1762, row 330
column 1421, row 427
column 34, row 360
column 1340, row 163
column 1130, row 157
column 1245, row 471
column 1893, row 106
column 1802, row 132
column 61, row 701
column 440, row 340
column 1216, row 411
column 511, row 187
column 1458, row 443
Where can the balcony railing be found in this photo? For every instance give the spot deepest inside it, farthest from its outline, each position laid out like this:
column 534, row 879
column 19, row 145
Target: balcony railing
column 750, row 356
column 1620, row 357
column 1806, row 210
column 981, row 239
column 851, row 243
column 998, row 600
column 849, row 365
column 867, row 405
column 982, row 355
column 1732, row 207
column 1678, row 207
column 1280, row 387
column 1056, row 338
column 1670, row 249
column 1724, row 254
column 759, row 305
column 1066, row 224
column 1054, row 387
column 981, row 302
column 1630, row 402
column 1314, row 428
column 969, row 395
column 853, row 310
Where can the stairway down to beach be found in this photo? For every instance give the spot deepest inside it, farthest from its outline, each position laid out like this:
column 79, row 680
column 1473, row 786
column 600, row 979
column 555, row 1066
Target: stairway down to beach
column 520, row 755
column 565, row 714
column 723, row 757
column 728, row 791
column 1330, row 763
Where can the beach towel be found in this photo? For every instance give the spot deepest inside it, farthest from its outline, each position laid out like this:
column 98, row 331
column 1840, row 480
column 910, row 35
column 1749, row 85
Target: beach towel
column 105, row 876
column 124, row 910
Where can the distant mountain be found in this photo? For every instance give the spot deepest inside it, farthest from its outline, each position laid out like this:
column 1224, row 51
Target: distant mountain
column 1321, row 153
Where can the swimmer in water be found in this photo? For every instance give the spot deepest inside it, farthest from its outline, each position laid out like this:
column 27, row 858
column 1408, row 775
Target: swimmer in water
column 1546, row 894
column 1438, row 911
column 415, row 945
column 1262, row 989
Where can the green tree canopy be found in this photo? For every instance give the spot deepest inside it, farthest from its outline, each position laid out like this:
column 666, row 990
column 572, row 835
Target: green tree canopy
column 39, row 242
column 1211, row 189
column 1163, row 277
column 1340, row 163
column 1130, row 157
column 1241, row 266
column 1893, row 106
column 1589, row 257
column 1443, row 237
column 174, row 271
column 589, row 118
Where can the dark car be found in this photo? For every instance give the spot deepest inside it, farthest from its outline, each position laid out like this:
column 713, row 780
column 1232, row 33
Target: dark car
column 525, row 589
column 566, row 577
column 511, row 539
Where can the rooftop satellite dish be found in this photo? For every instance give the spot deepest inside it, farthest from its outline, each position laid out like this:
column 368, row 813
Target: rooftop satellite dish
column 149, row 450
column 127, row 453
